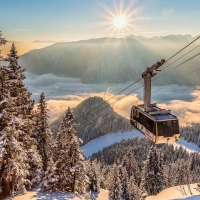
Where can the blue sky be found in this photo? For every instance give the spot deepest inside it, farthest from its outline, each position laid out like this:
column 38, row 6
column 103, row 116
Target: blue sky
column 70, row 20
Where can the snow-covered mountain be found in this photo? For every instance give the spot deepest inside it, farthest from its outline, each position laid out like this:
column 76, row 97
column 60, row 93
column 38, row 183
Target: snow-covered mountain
column 93, row 122
column 105, row 59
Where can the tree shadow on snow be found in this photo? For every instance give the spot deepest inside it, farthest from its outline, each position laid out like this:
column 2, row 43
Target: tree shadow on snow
column 54, row 196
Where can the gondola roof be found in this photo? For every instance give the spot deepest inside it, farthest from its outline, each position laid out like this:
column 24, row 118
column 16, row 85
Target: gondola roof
column 154, row 110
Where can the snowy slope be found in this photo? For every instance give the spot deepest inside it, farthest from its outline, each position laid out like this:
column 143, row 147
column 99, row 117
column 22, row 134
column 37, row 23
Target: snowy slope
column 190, row 147
column 109, row 139
column 39, row 195
column 177, row 193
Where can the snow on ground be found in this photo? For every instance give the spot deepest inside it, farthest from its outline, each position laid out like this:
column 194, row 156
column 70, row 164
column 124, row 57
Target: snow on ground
column 190, row 198
column 190, row 147
column 38, row 195
column 177, row 193
column 172, row 193
column 107, row 140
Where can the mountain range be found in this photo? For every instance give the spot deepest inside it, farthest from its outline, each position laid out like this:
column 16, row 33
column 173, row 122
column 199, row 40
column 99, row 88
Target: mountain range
column 114, row 60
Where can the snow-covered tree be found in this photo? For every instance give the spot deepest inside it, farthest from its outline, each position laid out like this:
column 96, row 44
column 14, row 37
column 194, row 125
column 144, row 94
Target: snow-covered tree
column 23, row 111
column 181, row 172
column 133, row 191
column 152, row 180
column 2, row 42
column 13, row 158
column 42, row 133
column 50, row 180
column 115, row 187
column 104, row 173
column 124, row 181
column 131, row 167
column 94, row 176
column 69, row 159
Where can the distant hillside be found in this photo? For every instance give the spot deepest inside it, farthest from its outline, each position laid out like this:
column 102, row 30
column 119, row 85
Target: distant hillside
column 140, row 148
column 107, row 59
column 101, row 123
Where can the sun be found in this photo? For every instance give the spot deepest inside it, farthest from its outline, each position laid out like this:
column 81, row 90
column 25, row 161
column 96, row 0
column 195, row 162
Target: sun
column 120, row 17
column 120, row 22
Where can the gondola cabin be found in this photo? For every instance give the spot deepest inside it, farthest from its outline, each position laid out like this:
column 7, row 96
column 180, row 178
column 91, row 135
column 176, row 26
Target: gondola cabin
column 157, row 124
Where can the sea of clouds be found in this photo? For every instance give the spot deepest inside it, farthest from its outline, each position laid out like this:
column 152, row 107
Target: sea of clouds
column 61, row 92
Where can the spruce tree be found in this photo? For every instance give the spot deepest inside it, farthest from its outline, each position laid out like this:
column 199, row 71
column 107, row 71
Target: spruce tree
column 131, row 167
column 133, row 191
column 24, row 112
column 42, row 133
column 124, row 181
column 50, row 180
column 69, row 159
column 152, row 174
column 104, row 173
column 2, row 42
column 13, row 158
column 115, row 187
column 94, row 176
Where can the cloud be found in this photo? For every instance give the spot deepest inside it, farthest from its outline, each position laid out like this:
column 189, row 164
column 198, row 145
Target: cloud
column 10, row 41
column 58, row 107
column 187, row 112
column 61, row 92
column 44, row 41
column 60, row 87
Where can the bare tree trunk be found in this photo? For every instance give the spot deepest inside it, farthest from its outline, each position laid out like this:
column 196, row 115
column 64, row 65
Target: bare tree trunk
column 6, row 189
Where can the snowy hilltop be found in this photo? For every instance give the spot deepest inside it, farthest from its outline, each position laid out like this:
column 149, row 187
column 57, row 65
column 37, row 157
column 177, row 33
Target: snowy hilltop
column 92, row 122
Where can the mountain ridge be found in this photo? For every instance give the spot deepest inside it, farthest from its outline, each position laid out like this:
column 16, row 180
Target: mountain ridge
column 112, row 60
column 95, row 117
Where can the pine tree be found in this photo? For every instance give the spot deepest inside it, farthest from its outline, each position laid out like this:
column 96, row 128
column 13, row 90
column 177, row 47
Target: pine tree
column 2, row 42
column 42, row 133
column 124, row 181
column 24, row 113
column 50, row 180
column 131, row 166
column 133, row 191
column 152, row 174
column 115, row 187
column 94, row 176
column 104, row 173
column 69, row 158
column 13, row 158
column 182, row 172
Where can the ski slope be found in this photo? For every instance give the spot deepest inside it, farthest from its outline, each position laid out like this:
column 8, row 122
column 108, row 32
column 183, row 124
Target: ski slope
column 99, row 143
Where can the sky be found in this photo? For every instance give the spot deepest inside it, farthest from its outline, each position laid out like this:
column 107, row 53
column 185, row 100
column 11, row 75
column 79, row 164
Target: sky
column 39, row 23
column 36, row 24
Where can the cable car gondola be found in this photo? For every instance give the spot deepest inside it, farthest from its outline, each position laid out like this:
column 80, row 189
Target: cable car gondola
column 158, row 125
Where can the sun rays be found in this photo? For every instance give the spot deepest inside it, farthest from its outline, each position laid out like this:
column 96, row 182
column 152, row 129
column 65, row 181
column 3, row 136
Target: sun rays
column 119, row 20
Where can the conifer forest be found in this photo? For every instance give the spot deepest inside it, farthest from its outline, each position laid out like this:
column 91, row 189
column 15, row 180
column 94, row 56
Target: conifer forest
column 34, row 152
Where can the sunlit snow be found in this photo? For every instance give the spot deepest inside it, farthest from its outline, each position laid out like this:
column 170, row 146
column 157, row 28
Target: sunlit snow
column 109, row 139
